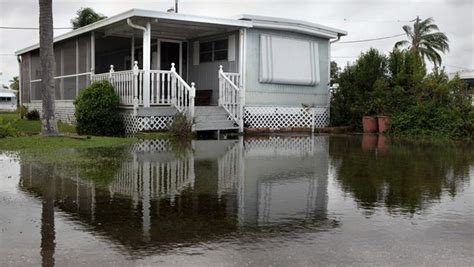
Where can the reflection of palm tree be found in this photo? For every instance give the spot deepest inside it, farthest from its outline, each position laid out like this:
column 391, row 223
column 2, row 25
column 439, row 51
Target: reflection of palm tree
column 425, row 40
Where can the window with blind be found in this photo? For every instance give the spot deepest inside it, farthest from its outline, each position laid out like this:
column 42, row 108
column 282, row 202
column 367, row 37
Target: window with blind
column 213, row 51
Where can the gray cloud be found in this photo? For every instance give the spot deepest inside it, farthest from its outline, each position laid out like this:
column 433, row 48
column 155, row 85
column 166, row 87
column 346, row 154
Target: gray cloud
column 363, row 19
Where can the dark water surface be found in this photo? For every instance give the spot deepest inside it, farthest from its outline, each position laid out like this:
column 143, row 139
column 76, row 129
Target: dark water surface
column 281, row 201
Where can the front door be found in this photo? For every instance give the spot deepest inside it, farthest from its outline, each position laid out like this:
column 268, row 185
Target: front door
column 170, row 52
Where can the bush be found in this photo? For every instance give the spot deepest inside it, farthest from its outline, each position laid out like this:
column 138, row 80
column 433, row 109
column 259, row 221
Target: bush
column 97, row 111
column 397, row 85
column 33, row 115
column 22, row 110
column 181, row 126
column 7, row 130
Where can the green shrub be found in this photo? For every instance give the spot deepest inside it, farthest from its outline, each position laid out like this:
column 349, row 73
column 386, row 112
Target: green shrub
column 181, row 126
column 97, row 111
column 397, row 85
column 7, row 130
column 33, row 115
column 22, row 110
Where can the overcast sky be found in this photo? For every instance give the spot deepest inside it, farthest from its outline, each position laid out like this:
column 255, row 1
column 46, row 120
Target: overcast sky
column 362, row 19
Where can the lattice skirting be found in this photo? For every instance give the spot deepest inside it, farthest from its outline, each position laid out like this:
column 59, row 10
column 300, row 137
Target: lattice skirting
column 134, row 124
column 286, row 117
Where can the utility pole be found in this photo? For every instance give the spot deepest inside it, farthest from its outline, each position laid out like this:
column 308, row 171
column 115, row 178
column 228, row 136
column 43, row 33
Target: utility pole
column 175, row 6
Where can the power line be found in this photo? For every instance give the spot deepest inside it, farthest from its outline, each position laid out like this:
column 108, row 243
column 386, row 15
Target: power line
column 369, row 40
column 457, row 67
column 32, row 28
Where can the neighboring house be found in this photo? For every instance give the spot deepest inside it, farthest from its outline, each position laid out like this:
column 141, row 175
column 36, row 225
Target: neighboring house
column 7, row 100
column 274, row 74
column 468, row 77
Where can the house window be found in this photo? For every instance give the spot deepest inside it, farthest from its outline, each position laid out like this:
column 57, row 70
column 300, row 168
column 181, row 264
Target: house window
column 213, row 51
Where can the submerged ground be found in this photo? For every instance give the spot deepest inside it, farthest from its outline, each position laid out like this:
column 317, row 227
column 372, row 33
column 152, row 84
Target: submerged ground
column 272, row 200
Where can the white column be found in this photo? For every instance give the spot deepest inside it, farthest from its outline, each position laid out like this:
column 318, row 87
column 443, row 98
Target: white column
column 93, row 52
column 146, row 64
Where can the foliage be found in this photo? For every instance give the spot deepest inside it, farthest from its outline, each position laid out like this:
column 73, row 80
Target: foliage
column 86, row 16
column 15, row 84
column 22, row 111
column 33, row 115
column 425, row 40
column 6, row 129
column 357, row 83
column 335, row 71
column 397, row 85
column 97, row 111
column 181, row 127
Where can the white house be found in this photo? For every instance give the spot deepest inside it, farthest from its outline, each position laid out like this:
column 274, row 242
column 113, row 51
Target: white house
column 7, row 100
column 251, row 71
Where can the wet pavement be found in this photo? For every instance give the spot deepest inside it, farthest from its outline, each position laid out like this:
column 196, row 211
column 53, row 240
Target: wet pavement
column 272, row 200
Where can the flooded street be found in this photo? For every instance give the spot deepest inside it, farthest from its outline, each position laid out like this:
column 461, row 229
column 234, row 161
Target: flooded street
column 270, row 200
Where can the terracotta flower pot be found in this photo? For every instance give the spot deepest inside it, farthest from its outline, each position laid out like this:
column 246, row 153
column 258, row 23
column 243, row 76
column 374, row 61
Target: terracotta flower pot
column 383, row 122
column 369, row 124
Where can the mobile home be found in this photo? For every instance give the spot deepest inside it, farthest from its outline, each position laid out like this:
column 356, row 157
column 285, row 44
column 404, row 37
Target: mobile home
column 252, row 71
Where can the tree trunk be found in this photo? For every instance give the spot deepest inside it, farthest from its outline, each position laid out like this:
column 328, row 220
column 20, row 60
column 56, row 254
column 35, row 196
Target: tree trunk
column 48, row 120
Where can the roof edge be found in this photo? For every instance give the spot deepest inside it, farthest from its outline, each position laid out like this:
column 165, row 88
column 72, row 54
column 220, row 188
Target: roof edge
column 303, row 26
column 141, row 13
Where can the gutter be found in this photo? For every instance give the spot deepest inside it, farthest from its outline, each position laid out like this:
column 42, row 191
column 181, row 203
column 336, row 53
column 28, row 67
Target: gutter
column 337, row 40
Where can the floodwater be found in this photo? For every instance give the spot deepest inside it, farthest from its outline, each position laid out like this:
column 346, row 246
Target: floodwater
column 272, row 200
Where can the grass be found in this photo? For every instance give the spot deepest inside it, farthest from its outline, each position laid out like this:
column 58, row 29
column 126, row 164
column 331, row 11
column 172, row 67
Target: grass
column 30, row 141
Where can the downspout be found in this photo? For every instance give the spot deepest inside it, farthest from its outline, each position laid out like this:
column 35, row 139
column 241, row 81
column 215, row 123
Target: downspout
column 145, row 59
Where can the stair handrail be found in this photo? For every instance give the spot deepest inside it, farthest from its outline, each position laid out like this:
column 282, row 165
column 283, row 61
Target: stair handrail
column 182, row 95
column 230, row 98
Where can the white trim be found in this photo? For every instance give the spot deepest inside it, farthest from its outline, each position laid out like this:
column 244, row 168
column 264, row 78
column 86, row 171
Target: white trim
column 143, row 13
column 180, row 63
column 77, row 65
column 92, row 69
column 261, row 21
column 64, row 76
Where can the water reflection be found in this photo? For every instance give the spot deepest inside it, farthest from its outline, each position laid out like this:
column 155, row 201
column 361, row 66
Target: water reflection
column 404, row 177
column 153, row 199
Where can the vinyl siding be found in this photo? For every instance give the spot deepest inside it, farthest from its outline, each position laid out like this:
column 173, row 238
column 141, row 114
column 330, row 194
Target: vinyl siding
column 205, row 74
column 266, row 94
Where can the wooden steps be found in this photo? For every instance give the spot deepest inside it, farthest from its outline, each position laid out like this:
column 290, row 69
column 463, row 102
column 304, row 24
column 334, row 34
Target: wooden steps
column 212, row 118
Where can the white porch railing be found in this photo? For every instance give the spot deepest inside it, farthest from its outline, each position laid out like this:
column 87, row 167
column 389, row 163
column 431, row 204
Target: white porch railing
column 231, row 96
column 166, row 88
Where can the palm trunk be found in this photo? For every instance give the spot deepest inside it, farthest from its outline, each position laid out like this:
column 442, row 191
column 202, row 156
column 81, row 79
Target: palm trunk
column 48, row 121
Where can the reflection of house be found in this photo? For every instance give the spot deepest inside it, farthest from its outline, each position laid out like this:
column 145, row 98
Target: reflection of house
column 158, row 198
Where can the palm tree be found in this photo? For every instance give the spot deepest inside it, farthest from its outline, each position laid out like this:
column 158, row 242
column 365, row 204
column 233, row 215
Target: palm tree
column 86, row 16
column 425, row 39
column 48, row 121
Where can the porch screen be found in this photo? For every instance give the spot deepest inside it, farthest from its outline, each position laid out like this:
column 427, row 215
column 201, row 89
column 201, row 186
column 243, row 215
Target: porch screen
column 71, row 72
column 288, row 61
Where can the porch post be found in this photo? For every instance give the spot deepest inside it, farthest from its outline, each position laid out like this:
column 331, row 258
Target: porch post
column 135, row 88
column 221, row 85
column 146, row 64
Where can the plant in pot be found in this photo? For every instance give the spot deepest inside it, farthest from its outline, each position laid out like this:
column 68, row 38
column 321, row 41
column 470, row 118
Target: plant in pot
column 369, row 121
